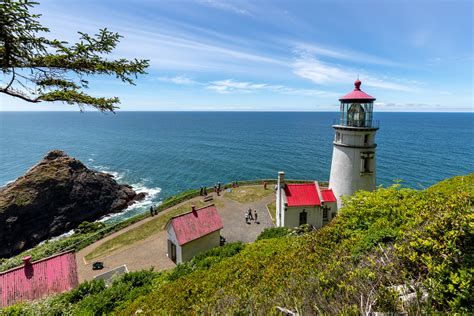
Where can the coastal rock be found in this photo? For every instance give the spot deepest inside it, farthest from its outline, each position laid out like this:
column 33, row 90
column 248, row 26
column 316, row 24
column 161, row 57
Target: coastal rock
column 53, row 197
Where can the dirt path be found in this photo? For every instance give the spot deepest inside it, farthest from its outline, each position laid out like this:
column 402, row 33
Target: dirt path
column 152, row 252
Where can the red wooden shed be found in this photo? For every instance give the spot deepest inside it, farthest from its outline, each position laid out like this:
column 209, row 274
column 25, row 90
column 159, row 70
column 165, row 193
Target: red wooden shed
column 34, row 280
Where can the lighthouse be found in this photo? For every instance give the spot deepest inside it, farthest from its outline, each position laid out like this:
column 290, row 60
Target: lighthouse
column 353, row 165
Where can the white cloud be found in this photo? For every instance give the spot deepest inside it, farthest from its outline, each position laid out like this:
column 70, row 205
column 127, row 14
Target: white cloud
column 313, row 69
column 178, row 80
column 341, row 54
column 231, row 86
column 226, row 6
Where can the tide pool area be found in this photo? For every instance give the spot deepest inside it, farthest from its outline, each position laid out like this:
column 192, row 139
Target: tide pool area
column 164, row 153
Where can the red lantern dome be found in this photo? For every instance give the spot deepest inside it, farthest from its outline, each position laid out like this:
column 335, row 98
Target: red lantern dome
column 357, row 94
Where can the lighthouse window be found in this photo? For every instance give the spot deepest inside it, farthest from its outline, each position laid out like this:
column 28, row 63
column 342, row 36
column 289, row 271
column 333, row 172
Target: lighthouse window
column 366, row 139
column 338, row 137
column 356, row 115
column 366, row 164
column 303, row 217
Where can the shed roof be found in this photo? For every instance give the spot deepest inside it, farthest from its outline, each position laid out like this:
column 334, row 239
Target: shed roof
column 357, row 94
column 302, row 194
column 37, row 279
column 328, row 195
column 195, row 224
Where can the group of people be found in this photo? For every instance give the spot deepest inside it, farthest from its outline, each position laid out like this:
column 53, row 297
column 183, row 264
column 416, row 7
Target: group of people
column 203, row 191
column 153, row 211
column 249, row 217
column 217, row 188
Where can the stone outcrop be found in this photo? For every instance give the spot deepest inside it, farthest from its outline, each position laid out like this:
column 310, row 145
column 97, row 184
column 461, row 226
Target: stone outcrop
column 53, row 197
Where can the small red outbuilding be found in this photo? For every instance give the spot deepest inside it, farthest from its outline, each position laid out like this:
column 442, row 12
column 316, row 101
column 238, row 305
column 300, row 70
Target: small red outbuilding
column 34, row 280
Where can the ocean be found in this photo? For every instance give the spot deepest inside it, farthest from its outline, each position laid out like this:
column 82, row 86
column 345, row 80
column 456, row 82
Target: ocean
column 163, row 153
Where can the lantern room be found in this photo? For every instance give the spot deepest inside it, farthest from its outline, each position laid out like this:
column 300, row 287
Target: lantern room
column 356, row 108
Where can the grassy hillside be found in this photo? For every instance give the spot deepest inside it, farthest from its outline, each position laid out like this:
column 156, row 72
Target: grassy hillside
column 381, row 244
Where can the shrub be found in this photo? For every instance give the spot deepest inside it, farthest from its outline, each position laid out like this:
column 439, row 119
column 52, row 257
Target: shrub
column 84, row 289
column 88, row 227
column 205, row 260
column 273, row 232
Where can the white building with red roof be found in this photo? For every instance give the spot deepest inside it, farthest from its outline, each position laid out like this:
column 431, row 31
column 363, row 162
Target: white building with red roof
column 192, row 233
column 303, row 203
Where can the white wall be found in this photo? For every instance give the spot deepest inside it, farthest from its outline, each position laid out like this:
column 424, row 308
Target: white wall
column 174, row 240
column 346, row 172
column 292, row 216
column 200, row 245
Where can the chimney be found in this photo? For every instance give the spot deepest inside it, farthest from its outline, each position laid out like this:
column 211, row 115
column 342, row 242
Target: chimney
column 281, row 177
column 27, row 260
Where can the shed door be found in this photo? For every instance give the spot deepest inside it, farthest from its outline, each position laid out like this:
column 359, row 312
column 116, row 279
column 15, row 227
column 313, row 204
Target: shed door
column 172, row 251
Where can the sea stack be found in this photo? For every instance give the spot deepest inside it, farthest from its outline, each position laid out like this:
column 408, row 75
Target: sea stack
column 53, row 197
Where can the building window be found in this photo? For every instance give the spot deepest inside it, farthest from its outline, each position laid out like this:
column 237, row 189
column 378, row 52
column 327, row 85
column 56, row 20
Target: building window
column 303, row 217
column 365, row 164
column 366, row 139
column 325, row 214
column 338, row 137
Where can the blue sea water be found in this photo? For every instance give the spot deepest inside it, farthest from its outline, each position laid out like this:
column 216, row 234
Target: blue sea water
column 164, row 153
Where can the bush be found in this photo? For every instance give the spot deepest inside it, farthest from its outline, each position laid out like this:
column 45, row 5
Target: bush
column 273, row 232
column 84, row 289
column 88, row 227
column 205, row 260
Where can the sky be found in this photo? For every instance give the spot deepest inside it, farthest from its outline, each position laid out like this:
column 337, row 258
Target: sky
column 221, row 55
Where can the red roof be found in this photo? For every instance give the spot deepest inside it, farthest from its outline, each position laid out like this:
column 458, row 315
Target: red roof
column 357, row 94
column 195, row 224
column 37, row 279
column 328, row 195
column 303, row 194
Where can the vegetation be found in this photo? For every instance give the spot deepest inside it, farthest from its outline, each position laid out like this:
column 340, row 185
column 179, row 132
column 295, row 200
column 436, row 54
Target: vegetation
column 273, row 232
column 143, row 231
column 93, row 298
column 395, row 250
column 272, row 209
column 40, row 69
column 248, row 194
column 380, row 240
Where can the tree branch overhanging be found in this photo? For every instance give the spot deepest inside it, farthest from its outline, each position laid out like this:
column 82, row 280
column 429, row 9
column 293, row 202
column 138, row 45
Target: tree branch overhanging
column 57, row 68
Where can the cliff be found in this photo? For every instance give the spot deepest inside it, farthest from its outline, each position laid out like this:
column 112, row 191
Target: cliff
column 53, row 197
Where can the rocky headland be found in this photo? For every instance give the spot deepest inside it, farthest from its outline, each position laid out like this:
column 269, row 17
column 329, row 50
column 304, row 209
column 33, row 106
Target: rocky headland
column 53, row 197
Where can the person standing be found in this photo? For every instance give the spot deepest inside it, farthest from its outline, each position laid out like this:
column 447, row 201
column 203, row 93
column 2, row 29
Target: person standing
column 151, row 210
column 250, row 214
column 205, row 191
column 255, row 216
column 201, row 192
column 246, row 218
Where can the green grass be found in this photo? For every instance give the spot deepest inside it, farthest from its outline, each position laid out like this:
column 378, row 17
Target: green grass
column 248, row 194
column 272, row 208
column 143, row 231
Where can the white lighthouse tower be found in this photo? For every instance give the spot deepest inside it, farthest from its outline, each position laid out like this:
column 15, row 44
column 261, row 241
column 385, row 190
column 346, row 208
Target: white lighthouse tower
column 353, row 159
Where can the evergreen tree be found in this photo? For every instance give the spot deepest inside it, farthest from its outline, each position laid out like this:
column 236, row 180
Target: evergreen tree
column 37, row 69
